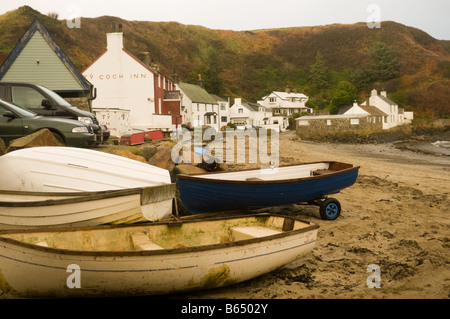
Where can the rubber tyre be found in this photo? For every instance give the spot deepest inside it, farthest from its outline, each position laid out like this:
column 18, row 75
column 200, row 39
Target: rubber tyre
column 330, row 209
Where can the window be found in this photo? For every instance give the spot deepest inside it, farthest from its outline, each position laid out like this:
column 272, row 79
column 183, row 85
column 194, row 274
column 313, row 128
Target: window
column 27, row 97
column 328, row 122
column 272, row 99
column 224, row 119
column 215, row 119
column 354, row 121
column 240, row 110
column 222, row 106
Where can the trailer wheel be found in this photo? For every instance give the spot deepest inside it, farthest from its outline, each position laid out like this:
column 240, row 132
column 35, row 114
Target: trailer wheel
column 330, row 209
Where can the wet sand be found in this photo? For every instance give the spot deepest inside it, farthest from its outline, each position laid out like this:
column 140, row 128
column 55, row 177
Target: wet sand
column 395, row 217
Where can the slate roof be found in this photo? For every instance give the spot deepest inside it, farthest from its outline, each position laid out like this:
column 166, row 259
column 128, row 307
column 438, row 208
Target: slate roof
column 197, row 94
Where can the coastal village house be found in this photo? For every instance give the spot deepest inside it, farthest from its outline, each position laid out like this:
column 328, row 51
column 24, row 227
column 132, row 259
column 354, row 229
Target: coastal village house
column 198, row 107
column 376, row 113
column 285, row 103
column 38, row 59
column 392, row 114
column 247, row 115
column 132, row 95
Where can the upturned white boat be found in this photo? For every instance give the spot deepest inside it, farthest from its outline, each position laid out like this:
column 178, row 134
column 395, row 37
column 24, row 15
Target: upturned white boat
column 69, row 169
column 27, row 210
column 150, row 258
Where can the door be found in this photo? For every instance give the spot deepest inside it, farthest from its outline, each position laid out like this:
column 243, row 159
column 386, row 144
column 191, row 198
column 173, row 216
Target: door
column 10, row 128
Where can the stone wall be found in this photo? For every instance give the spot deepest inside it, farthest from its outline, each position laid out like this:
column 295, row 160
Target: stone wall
column 80, row 102
column 315, row 128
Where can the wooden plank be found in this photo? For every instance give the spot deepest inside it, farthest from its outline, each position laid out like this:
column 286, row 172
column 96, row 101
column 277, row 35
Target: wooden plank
column 249, row 232
column 142, row 242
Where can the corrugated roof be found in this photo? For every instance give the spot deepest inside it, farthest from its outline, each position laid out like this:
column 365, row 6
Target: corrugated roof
column 197, row 94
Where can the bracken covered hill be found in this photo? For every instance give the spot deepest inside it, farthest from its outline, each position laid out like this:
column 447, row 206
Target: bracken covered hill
column 250, row 64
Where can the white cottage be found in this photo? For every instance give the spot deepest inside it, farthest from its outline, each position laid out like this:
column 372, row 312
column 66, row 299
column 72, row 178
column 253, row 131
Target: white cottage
column 128, row 90
column 393, row 115
column 286, row 103
column 198, row 107
column 248, row 115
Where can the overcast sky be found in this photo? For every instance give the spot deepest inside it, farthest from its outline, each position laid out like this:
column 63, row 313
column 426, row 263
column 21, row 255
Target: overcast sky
column 431, row 16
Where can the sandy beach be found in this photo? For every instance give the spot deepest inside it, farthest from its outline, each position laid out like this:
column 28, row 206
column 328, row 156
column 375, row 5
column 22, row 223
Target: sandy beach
column 394, row 217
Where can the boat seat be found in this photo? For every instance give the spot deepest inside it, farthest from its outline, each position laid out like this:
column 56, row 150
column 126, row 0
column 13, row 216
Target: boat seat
column 42, row 243
column 142, row 242
column 322, row 171
column 249, row 232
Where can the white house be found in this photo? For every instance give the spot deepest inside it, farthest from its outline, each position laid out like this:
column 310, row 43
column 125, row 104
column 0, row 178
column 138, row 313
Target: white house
column 127, row 88
column 286, row 103
column 223, row 110
column 247, row 115
column 198, row 107
column 393, row 115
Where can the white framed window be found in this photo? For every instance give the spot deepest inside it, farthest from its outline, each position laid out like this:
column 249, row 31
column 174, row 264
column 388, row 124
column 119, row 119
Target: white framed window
column 354, row 121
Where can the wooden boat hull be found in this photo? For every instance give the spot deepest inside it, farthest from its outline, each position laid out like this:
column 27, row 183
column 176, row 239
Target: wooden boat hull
column 214, row 192
column 89, row 257
column 67, row 169
column 27, row 210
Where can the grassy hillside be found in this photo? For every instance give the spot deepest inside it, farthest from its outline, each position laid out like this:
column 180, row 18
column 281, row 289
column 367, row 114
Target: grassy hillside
column 250, row 64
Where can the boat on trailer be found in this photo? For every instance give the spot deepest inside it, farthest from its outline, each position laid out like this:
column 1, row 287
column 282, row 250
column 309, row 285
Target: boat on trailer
column 28, row 210
column 151, row 258
column 70, row 169
column 268, row 187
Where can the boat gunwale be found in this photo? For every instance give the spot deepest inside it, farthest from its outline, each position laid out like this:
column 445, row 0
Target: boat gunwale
column 75, row 197
column 199, row 177
column 171, row 251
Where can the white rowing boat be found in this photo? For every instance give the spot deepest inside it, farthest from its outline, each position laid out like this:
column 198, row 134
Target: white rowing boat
column 151, row 258
column 27, row 210
column 69, row 169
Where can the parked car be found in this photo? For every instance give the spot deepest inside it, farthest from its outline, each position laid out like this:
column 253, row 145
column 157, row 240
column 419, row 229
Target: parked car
column 45, row 102
column 16, row 122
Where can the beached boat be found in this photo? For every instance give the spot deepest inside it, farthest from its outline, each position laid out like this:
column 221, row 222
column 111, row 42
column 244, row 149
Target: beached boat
column 27, row 210
column 69, row 169
column 267, row 187
column 150, row 258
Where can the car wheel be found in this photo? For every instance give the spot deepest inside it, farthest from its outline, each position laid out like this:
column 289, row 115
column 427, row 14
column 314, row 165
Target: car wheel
column 59, row 138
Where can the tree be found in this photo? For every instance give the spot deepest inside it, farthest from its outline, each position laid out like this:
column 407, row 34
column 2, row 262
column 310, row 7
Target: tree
column 319, row 76
column 383, row 63
column 345, row 94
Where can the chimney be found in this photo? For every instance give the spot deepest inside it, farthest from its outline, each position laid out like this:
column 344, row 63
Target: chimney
column 200, row 82
column 146, row 58
column 383, row 93
column 374, row 92
column 287, row 89
column 367, row 100
column 238, row 101
column 114, row 41
column 355, row 103
column 175, row 77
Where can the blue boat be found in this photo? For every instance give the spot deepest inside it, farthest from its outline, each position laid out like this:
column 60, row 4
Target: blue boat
column 268, row 187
